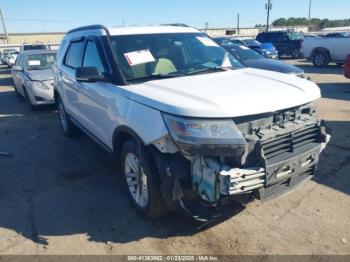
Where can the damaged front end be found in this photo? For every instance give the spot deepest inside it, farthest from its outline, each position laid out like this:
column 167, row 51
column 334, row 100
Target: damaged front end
column 207, row 162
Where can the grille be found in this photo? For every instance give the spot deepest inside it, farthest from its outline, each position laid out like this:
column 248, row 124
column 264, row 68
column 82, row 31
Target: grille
column 290, row 142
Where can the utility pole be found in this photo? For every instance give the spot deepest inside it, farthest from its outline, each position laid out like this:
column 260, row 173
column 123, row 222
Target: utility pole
column 238, row 24
column 310, row 3
column 268, row 6
column 3, row 25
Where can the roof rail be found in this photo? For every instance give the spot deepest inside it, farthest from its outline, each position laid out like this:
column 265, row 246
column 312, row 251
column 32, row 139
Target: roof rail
column 176, row 24
column 88, row 27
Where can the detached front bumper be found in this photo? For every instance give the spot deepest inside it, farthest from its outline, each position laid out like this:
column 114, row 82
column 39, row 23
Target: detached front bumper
column 286, row 160
column 272, row 181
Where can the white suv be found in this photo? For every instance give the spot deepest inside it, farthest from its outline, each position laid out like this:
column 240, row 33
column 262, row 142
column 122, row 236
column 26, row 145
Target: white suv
column 191, row 127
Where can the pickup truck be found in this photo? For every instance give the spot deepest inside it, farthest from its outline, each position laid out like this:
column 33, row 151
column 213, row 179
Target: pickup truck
column 323, row 50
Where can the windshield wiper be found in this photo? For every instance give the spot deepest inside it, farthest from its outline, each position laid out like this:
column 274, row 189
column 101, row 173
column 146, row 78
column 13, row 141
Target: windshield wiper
column 153, row 77
column 208, row 69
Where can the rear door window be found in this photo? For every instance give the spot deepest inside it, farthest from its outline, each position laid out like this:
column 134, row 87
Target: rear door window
column 74, row 55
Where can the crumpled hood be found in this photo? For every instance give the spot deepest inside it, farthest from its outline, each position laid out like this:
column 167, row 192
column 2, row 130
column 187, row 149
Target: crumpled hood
column 225, row 94
column 274, row 65
column 40, row 75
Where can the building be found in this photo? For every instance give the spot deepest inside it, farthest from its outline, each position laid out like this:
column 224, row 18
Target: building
column 250, row 32
column 241, row 32
column 17, row 39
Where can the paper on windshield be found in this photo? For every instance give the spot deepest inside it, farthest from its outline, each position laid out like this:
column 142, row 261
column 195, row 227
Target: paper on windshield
column 139, row 57
column 34, row 62
column 206, row 41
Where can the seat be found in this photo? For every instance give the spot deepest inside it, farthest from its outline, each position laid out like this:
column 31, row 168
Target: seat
column 164, row 66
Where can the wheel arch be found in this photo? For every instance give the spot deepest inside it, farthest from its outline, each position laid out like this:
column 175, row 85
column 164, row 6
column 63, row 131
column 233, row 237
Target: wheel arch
column 320, row 50
column 121, row 134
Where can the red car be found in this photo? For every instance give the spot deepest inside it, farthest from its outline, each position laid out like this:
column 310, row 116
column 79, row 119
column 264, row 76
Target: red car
column 347, row 67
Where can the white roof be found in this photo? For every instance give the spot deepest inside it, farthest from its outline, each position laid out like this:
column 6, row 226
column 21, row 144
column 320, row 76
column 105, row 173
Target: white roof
column 137, row 30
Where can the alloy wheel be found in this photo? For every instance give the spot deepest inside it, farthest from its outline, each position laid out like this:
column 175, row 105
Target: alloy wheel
column 136, row 180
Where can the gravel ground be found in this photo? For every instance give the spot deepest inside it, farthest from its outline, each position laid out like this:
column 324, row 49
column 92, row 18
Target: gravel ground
column 62, row 196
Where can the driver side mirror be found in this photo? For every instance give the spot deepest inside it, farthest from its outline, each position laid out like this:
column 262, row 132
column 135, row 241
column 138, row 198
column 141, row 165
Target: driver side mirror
column 17, row 68
column 89, row 74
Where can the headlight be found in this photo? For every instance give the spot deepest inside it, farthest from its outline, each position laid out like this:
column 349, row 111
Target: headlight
column 191, row 133
column 38, row 84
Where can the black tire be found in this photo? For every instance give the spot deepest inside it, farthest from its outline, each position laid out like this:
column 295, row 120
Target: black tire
column 26, row 97
column 68, row 128
column 16, row 91
column 295, row 54
column 320, row 59
column 155, row 206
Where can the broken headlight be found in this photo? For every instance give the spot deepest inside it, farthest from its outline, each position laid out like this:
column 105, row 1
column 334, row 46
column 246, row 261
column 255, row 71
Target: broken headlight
column 205, row 136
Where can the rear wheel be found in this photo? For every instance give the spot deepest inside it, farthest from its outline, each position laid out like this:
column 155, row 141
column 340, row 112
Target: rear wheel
column 141, row 181
column 69, row 129
column 321, row 59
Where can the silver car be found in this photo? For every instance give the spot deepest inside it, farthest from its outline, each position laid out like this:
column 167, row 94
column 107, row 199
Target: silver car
column 32, row 76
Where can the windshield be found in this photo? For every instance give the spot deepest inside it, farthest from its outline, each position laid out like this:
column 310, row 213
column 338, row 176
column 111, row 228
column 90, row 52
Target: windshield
column 142, row 57
column 295, row 36
column 228, row 41
column 34, row 47
column 243, row 53
column 40, row 61
column 251, row 42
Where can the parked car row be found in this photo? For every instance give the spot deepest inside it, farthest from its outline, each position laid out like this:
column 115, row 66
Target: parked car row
column 321, row 50
column 191, row 126
column 9, row 56
column 267, row 49
column 251, row 58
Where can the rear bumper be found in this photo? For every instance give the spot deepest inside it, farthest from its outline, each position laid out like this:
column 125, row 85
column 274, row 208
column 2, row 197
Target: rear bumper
column 272, row 56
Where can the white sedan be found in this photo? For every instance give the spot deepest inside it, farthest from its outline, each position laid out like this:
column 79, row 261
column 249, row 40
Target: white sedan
column 32, row 76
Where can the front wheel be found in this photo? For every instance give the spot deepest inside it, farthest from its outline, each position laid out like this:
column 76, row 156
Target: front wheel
column 295, row 54
column 141, row 181
column 16, row 91
column 26, row 97
column 66, row 124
